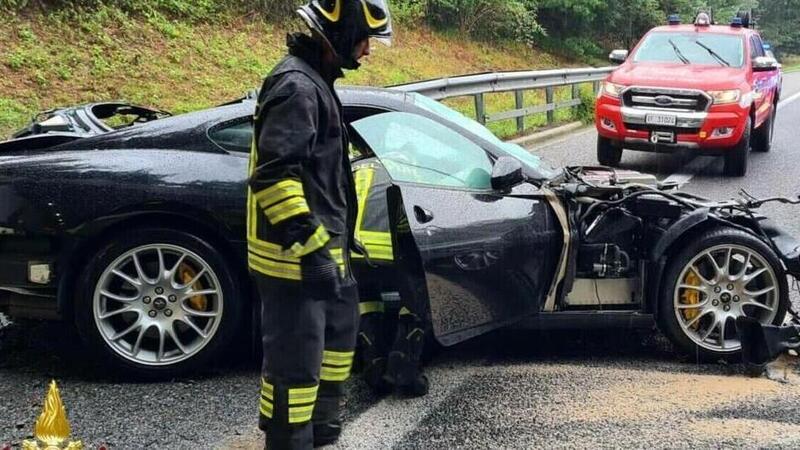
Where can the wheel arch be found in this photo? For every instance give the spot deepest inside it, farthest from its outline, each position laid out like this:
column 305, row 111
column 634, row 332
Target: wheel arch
column 191, row 219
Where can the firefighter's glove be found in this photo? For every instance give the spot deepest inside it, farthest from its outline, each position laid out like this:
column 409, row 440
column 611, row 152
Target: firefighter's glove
column 321, row 278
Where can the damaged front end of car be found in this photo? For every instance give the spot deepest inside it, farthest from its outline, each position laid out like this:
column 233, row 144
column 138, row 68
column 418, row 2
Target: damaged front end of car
column 689, row 259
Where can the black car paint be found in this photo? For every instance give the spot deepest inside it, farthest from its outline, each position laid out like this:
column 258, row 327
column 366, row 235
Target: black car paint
column 168, row 172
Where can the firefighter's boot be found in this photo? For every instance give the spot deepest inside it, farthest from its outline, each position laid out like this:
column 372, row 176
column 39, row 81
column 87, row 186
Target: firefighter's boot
column 404, row 366
column 371, row 346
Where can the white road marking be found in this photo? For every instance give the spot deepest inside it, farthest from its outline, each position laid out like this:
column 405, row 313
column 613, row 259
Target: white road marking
column 786, row 101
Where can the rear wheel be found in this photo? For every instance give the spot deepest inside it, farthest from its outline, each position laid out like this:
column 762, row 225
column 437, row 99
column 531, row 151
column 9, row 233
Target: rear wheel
column 608, row 154
column 158, row 303
column 721, row 275
column 736, row 157
column 762, row 137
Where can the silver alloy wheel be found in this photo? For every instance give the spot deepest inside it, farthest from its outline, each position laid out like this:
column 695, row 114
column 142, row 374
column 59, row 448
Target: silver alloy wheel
column 158, row 304
column 728, row 281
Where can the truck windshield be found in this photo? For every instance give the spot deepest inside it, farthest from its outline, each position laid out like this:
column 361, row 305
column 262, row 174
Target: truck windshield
column 692, row 48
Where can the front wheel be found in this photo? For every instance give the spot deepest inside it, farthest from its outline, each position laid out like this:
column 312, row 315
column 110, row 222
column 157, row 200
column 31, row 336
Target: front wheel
column 736, row 157
column 158, row 303
column 608, row 154
column 762, row 137
column 719, row 276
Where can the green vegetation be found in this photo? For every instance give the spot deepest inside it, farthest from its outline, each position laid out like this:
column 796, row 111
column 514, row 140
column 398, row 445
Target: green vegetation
column 68, row 56
column 791, row 63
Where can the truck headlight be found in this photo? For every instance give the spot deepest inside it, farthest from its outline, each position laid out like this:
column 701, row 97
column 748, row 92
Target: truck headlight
column 612, row 89
column 725, row 97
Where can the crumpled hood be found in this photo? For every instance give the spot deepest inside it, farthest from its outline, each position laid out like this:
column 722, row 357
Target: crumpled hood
column 682, row 76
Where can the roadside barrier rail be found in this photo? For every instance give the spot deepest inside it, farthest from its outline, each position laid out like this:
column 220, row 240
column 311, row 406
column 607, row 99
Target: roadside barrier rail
column 518, row 82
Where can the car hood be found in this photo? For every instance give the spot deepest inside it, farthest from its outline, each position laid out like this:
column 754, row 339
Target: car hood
column 681, row 76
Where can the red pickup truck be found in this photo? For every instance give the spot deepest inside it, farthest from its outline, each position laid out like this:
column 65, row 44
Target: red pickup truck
column 700, row 88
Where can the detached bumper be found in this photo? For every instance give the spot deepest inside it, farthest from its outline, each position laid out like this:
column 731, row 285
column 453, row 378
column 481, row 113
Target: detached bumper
column 712, row 132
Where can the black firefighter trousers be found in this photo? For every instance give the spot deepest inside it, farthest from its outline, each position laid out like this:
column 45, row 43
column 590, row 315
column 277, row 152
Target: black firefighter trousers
column 308, row 343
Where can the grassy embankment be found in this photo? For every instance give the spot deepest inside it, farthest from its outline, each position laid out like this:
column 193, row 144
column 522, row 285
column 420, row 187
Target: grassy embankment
column 66, row 58
column 791, row 63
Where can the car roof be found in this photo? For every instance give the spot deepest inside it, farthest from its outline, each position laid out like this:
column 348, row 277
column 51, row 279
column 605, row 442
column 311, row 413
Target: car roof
column 691, row 28
column 188, row 131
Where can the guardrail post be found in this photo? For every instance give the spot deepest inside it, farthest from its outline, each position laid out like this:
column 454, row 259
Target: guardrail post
column 480, row 109
column 596, row 86
column 576, row 94
column 519, row 101
column 548, row 93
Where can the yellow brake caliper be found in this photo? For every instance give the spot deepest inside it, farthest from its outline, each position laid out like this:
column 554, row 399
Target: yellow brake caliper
column 187, row 274
column 691, row 297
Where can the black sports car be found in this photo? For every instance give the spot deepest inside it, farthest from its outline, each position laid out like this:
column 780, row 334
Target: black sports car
column 137, row 234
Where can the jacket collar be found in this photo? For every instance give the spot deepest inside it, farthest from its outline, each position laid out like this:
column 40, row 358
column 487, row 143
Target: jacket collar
column 310, row 51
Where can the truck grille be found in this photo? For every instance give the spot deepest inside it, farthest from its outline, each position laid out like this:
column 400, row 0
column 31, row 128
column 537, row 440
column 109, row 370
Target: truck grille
column 666, row 99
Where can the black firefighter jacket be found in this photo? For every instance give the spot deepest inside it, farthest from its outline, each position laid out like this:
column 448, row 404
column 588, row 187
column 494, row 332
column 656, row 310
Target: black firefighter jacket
column 302, row 203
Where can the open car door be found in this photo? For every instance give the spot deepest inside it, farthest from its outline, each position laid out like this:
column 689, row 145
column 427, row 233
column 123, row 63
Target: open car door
column 480, row 259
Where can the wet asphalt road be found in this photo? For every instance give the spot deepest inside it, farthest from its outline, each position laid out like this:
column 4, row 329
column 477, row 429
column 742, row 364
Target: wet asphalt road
column 510, row 389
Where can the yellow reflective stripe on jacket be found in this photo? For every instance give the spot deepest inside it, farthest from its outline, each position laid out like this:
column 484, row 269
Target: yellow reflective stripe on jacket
column 274, row 268
column 371, row 307
column 278, row 192
column 314, row 243
column 287, row 209
column 300, row 414
column 363, row 178
column 377, row 252
column 300, row 396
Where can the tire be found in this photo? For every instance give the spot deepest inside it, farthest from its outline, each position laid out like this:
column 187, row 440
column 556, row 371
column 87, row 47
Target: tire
column 736, row 157
column 607, row 153
column 158, row 314
column 762, row 137
column 686, row 325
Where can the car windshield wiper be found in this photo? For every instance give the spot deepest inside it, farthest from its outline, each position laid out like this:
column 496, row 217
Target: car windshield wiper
column 711, row 52
column 678, row 52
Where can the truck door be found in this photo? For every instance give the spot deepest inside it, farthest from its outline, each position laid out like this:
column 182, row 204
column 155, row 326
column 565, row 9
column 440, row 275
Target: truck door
column 480, row 259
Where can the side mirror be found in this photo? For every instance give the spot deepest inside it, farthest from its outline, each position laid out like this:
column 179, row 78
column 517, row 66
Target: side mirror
column 506, row 173
column 764, row 64
column 618, row 56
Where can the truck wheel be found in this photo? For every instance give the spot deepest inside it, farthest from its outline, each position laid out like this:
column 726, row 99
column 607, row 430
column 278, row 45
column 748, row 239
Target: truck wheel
column 719, row 276
column 158, row 303
column 607, row 153
column 762, row 137
column 736, row 157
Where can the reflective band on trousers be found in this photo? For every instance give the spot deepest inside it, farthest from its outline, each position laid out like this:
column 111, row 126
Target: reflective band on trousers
column 370, row 307
column 301, row 403
column 336, row 365
column 266, row 405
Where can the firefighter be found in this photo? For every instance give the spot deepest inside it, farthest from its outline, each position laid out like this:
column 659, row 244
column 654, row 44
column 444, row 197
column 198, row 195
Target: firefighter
column 385, row 368
column 301, row 215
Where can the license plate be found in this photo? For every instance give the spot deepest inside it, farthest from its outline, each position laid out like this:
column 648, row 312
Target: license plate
column 661, row 119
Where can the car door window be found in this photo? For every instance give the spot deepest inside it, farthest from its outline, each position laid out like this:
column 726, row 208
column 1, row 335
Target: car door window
column 757, row 47
column 233, row 136
column 416, row 149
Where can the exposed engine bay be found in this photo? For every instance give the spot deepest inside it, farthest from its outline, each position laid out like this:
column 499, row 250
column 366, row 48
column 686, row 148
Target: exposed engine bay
column 624, row 222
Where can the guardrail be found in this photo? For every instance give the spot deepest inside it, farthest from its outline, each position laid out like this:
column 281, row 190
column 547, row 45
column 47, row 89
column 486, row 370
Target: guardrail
column 479, row 85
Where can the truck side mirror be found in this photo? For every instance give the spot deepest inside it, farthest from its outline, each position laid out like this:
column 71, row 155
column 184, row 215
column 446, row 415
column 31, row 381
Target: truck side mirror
column 764, row 64
column 618, row 56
